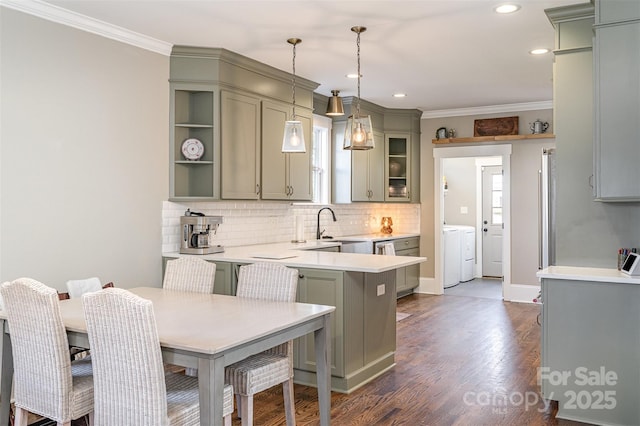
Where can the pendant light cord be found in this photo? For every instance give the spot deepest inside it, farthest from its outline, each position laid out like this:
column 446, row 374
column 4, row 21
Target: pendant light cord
column 293, row 82
column 358, row 53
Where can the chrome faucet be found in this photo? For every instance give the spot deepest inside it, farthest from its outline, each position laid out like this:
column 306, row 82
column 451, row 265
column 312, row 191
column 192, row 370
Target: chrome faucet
column 318, row 233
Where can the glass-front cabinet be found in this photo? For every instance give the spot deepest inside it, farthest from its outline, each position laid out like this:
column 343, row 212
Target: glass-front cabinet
column 397, row 167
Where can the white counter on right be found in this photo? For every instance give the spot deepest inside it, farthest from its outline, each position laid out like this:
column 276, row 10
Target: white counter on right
column 590, row 348
column 579, row 273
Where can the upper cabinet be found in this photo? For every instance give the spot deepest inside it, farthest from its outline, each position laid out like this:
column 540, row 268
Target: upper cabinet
column 367, row 172
column 390, row 172
column 285, row 176
column 235, row 108
column 397, row 167
column 617, row 101
column 240, row 148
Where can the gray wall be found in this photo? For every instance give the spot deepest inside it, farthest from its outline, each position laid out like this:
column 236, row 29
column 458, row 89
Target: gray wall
column 525, row 157
column 461, row 181
column 83, row 155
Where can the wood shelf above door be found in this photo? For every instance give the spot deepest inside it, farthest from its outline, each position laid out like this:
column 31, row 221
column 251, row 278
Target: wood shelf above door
column 500, row 138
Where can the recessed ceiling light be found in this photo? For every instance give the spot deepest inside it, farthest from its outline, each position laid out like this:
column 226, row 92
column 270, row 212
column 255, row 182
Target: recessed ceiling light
column 540, row 51
column 507, row 8
column 399, row 95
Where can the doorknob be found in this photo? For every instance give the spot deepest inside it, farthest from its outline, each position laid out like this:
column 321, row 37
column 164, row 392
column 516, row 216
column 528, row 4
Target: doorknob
column 485, row 222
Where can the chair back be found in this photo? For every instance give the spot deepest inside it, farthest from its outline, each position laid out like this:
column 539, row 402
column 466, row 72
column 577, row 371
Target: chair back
column 129, row 382
column 77, row 288
column 268, row 281
column 189, row 274
column 273, row 282
column 41, row 362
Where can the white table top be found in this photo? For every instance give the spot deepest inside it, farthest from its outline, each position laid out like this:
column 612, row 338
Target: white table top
column 579, row 273
column 200, row 322
column 302, row 255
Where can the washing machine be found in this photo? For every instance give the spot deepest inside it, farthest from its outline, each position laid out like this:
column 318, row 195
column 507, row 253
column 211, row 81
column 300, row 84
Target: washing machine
column 451, row 254
column 467, row 252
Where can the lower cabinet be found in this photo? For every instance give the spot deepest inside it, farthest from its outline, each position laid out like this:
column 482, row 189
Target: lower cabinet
column 590, row 349
column 363, row 326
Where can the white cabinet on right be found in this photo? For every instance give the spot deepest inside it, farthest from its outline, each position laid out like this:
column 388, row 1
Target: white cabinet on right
column 617, row 111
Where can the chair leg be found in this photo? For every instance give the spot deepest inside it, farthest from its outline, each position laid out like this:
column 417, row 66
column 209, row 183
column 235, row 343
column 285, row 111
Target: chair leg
column 227, row 420
column 64, row 423
column 90, row 419
column 289, row 402
column 21, row 417
column 246, row 407
column 239, row 405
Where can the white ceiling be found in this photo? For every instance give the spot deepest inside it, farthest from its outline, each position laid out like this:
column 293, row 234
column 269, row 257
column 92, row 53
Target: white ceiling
column 444, row 54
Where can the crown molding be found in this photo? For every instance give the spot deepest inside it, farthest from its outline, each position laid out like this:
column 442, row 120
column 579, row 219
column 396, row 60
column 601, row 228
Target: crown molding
column 490, row 109
column 66, row 17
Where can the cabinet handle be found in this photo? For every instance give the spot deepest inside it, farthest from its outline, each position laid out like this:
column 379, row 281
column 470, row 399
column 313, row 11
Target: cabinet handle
column 257, row 189
column 591, row 181
column 291, row 190
column 301, row 276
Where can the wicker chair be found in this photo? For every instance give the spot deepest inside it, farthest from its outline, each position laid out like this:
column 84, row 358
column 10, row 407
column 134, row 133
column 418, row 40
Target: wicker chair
column 46, row 382
column 130, row 383
column 190, row 274
column 274, row 282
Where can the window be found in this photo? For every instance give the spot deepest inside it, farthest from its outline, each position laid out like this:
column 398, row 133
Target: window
column 321, row 159
column 496, row 199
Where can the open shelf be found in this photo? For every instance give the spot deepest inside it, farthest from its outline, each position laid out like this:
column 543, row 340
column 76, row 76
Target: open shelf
column 493, row 138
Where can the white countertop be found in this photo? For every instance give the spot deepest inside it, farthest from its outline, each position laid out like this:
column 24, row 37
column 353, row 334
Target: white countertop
column 303, row 255
column 579, row 273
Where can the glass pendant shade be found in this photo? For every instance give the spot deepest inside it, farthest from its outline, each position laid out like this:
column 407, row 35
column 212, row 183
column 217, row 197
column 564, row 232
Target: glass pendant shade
column 335, row 106
column 359, row 133
column 293, row 140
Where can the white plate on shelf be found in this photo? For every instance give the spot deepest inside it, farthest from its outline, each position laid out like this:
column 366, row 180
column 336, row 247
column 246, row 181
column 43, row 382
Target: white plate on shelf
column 192, row 149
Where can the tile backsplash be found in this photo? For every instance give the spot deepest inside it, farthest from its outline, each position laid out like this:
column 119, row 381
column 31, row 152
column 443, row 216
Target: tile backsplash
column 261, row 222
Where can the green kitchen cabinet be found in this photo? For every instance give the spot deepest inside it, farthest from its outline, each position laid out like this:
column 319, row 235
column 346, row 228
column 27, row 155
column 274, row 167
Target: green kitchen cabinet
column 363, row 325
column 285, row 176
column 367, row 172
column 397, row 165
column 240, row 146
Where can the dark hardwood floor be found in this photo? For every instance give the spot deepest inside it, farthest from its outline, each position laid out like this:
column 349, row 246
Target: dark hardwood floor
column 460, row 361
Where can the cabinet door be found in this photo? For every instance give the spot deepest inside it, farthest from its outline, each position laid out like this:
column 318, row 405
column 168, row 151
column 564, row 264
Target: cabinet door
column 223, row 283
column 274, row 161
column 325, row 288
column 285, row 176
column 409, row 276
column 617, row 149
column 300, row 162
column 192, row 117
column 367, row 173
column 397, row 167
column 240, row 146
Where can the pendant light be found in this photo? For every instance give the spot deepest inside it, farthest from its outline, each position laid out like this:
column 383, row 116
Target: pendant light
column 359, row 132
column 335, row 106
column 293, row 140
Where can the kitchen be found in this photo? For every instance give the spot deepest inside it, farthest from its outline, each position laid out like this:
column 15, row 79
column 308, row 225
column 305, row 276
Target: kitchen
column 102, row 186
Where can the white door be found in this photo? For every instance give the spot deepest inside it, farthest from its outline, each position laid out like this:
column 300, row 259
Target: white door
column 492, row 221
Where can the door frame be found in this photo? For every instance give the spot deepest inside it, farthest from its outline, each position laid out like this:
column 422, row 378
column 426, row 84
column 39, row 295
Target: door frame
column 439, row 154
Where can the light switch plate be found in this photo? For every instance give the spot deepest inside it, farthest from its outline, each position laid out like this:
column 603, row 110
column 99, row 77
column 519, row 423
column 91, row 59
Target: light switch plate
column 380, row 289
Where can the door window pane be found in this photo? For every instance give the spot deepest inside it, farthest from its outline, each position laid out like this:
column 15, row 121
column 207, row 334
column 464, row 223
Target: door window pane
column 496, row 199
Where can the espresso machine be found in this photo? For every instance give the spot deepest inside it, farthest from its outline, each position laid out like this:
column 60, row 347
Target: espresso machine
column 198, row 231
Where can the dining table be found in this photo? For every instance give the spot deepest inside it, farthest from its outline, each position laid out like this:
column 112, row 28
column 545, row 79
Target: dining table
column 207, row 332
